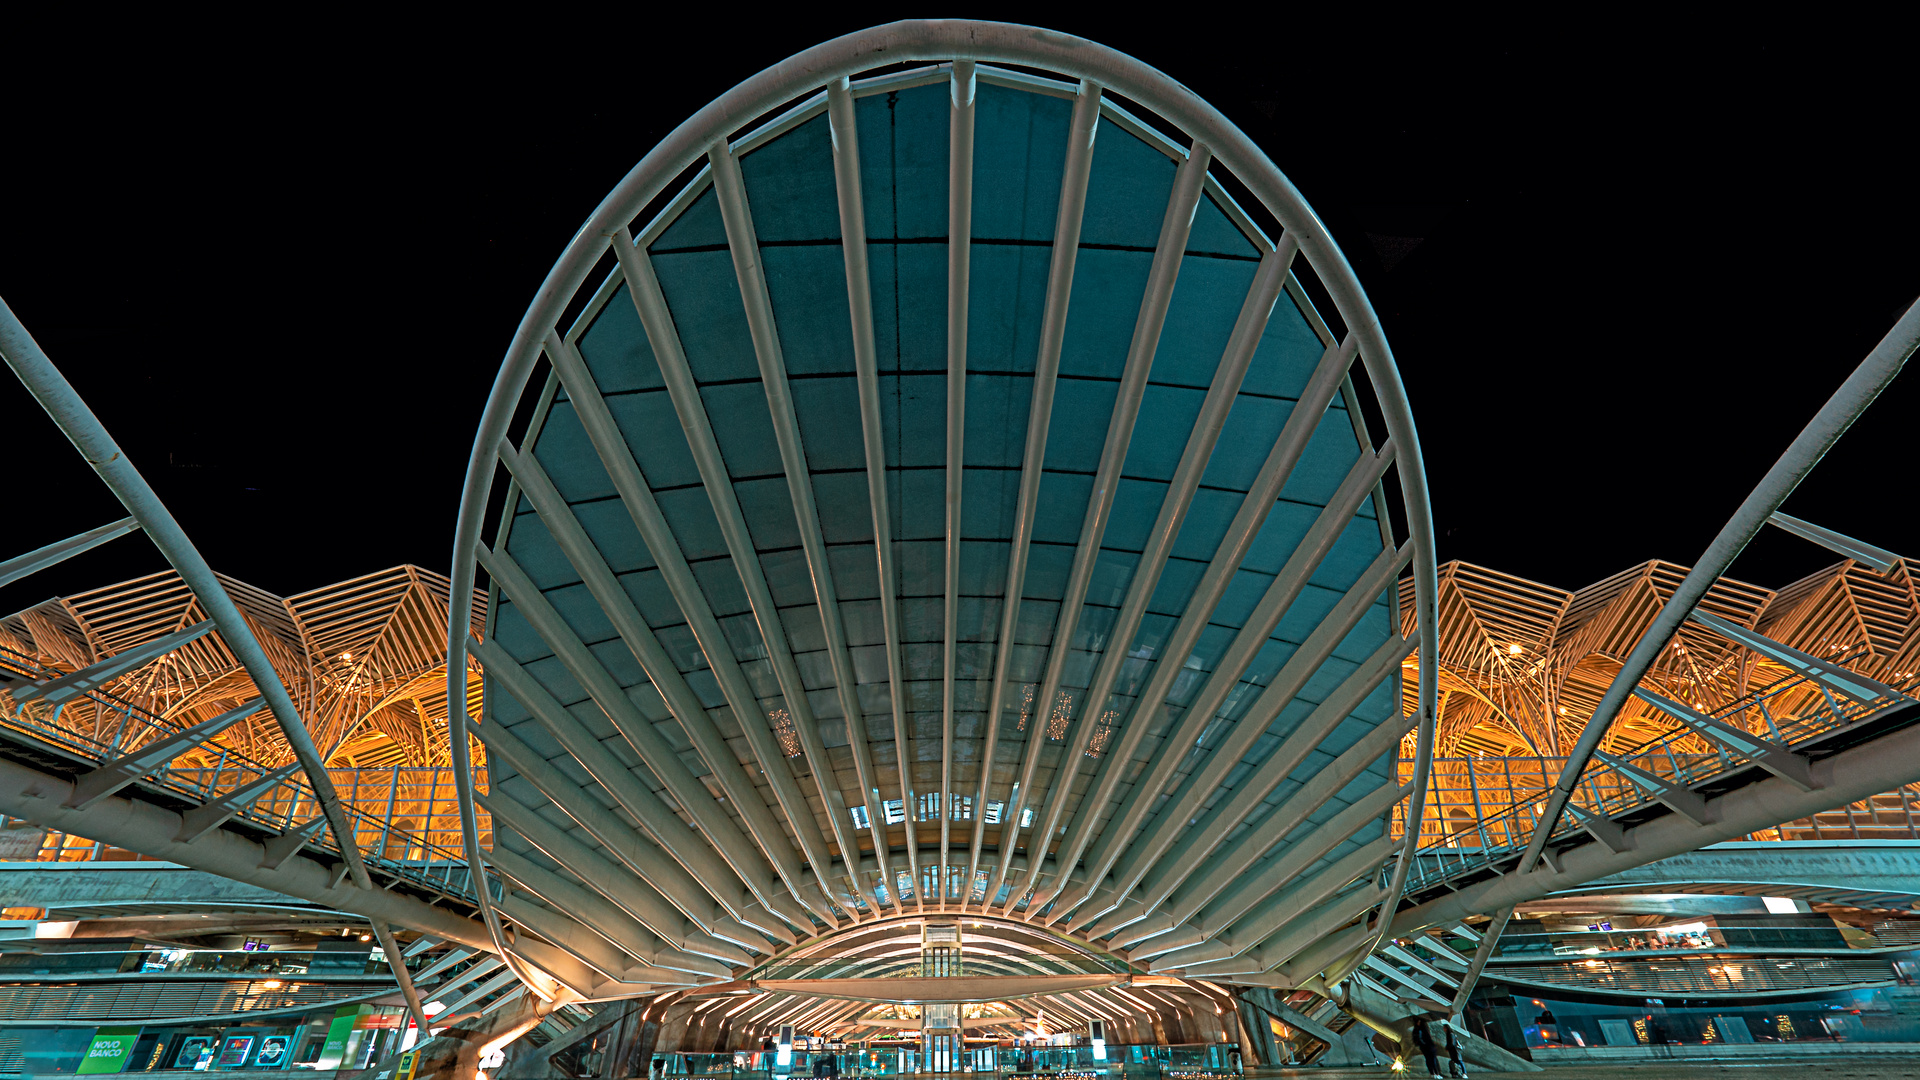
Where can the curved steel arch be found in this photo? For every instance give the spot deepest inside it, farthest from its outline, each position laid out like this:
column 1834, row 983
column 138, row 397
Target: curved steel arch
column 966, row 44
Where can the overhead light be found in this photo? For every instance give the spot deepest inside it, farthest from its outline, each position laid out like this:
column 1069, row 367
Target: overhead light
column 1514, row 649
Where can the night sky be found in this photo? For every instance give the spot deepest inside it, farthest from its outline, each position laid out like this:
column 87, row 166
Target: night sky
column 1619, row 267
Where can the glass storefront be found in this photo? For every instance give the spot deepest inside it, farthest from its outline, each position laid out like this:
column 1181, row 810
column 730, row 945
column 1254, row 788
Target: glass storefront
column 1190, row 1061
column 353, row 1036
column 1515, row 1018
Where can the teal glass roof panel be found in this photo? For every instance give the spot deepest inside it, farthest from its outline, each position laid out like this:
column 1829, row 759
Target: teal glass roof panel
column 569, row 458
column 768, row 509
column 807, row 287
column 666, row 463
column 788, row 578
column 991, row 497
column 743, row 428
column 918, row 504
column 845, row 516
column 1215, row 234
column 720, row 581
column 904, row 162
column 828, row 412
column 909, row 287
column 1167, row 415
column 1006, row 301
column 790, row 186
column 1127, row 190
column 650, row 594
column 1358, row 546
column 1135, row 505
column 1208, row 517
column 1206, row 304
column 532, row 546
column 997, row 410
column 1047, row 568
column 1289, row 351
column 691, row 519
column 1060, row 509
column 616, row 348
column 913, row 420
column 1175, row 587
column 1019, row 152
column 698, row 227
column 703, row 296
column 1253, row 425
column 610, row 527
column 1107, row 287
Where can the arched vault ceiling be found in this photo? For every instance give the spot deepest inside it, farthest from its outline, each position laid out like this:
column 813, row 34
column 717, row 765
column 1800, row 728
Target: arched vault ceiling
column 848, row 569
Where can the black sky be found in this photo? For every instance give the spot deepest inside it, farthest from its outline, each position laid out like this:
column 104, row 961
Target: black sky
column 1619, row 266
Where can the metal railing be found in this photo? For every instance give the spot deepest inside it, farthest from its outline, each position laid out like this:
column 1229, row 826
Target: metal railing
column 1703, row 974
column 159, row 962
column 405, row 820
column 1470, row 795
column 1480, row 811
column 136, row 1001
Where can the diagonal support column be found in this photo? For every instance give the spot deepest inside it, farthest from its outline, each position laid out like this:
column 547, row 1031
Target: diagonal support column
column 1489, row 940
column 853, row 243
column 1046, row 366
column 737, row 215
column 1846, row 405
column 644, row 287
column 1233, row 548
column 34, row 561
column 1169, row 251
column 962, row 87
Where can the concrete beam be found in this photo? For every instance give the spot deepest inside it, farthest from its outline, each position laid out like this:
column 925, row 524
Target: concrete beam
column 66, row 885
column 1887, row 866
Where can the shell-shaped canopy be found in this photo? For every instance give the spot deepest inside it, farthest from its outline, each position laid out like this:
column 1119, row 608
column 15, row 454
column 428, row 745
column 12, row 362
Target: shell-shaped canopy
column 754, row 675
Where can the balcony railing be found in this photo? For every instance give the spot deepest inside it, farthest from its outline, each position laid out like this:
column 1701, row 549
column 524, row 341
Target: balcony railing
column 1702, row 974
column 405, row 820
column 1480, row 811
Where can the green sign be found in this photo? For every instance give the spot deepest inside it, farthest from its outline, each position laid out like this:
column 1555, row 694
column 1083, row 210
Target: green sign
column 335, row 1050
column 110, row 1050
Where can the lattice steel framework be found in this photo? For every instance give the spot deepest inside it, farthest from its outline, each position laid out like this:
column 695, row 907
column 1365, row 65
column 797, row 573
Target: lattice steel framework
column 1522, row 664
column 364, row 660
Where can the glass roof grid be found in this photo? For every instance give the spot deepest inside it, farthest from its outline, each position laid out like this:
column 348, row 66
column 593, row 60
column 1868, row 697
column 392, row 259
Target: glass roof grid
column 1175, row 584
